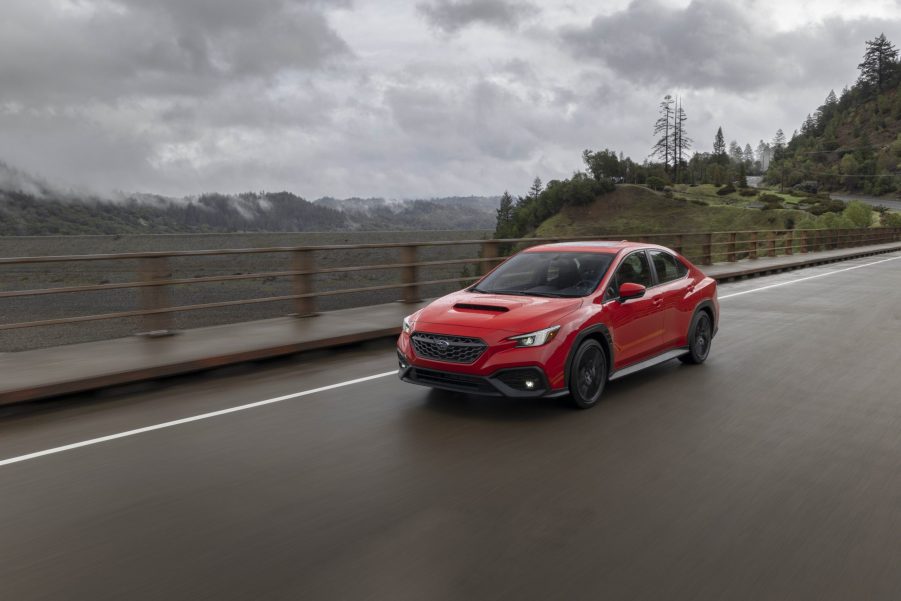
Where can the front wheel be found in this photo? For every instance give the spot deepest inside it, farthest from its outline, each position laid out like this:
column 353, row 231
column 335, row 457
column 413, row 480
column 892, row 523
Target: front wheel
column 699, row 338
column 588, row 374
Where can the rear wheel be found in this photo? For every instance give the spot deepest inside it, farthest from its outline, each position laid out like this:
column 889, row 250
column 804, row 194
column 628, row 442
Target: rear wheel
column 588, row 374
column 699, row 338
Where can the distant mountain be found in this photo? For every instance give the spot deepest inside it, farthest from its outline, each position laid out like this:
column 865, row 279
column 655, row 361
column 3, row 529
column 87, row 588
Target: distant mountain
column 31, row 206
column 454, row 212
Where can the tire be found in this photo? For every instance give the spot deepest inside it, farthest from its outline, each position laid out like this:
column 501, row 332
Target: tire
column 700, row 337
column 588, row 374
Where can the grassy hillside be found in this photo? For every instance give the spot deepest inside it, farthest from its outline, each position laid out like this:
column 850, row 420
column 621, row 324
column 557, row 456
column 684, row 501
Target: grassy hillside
column 636, row 209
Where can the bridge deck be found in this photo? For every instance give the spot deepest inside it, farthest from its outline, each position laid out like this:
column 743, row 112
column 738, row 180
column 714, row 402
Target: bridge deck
column 44, row 373
column 770, row 472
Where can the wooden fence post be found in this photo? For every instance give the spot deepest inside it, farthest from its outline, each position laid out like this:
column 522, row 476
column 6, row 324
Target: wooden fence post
column 154, row 269
column 410, row 273
column 752, row 246
column 489, row 251
column 804, row 242
column 707, row 250
column 679, row 244
column 771, row 243
column 730, row 253
column 303, row 264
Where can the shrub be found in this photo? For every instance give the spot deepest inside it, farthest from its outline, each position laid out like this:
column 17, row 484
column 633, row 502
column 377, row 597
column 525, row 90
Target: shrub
column 811, row 187
column 700, row 203
column 824, row 205
column 891, row 219
column 859, row 213
column 727, row 189
column 655, row 183
column 747, row 192
column 771, row 201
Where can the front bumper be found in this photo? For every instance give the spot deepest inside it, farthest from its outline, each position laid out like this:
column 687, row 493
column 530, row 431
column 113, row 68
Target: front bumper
column 514, row 382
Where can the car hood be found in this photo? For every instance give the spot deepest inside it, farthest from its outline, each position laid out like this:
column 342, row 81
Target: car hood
column 515, row 314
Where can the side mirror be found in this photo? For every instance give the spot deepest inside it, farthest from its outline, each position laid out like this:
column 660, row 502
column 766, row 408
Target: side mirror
column 630, row 290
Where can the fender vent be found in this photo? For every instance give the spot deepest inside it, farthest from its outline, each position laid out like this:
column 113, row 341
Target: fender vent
column 473, row 307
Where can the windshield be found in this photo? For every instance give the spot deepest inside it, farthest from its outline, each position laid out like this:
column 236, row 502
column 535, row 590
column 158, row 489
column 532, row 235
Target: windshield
column 558, row 274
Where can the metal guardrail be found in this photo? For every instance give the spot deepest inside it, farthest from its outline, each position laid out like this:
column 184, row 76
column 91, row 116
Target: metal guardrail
column 154, row 275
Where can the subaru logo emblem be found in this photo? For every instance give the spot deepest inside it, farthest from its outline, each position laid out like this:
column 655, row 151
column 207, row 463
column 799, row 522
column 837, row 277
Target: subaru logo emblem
column 443, row 345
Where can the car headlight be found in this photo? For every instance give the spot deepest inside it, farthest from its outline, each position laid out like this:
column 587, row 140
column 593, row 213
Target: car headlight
column 536, row 338
column 408, row 324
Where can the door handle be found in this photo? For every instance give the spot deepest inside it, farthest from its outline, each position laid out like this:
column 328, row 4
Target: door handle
column 691, row 288
column 658, row 301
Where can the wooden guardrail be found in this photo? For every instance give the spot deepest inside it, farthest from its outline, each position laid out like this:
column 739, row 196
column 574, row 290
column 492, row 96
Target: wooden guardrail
column 154, row 279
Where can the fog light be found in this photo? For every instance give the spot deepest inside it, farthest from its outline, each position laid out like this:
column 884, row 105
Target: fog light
column 530, row 384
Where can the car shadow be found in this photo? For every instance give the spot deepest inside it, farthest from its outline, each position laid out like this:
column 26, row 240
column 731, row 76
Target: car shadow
column 488, row 408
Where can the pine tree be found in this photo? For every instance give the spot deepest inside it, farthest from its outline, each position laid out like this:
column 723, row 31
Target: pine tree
column 681, row 141
column 778, row 140
column 809, row 126
column 778, row 147
column 735, row 152
column 536, row 189
column 663, row 148
column 719, row 147
column 742, row 176
column 879, row 64
column 763, row 155
column 504, row 216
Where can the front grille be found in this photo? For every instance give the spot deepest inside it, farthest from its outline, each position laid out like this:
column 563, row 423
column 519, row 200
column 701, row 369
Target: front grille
column 444, row 379
column 452, row 349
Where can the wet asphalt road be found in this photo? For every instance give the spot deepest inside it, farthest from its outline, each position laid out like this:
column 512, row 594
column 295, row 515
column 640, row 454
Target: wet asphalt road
column 771, row 472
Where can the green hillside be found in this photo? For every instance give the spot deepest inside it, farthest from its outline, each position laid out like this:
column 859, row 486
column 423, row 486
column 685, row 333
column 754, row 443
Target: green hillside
column 852, row 141
column 639, row 210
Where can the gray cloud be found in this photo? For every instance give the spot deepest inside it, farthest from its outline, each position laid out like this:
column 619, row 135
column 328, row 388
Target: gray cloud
column 103, row 50
column 716, row 45
column 451, row 16
column 332, row 98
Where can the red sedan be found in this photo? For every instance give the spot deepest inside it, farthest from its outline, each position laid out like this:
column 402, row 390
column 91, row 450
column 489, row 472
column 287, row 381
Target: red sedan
column 563, row 319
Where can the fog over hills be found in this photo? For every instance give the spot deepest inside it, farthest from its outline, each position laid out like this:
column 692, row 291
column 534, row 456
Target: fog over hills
column 30, row 205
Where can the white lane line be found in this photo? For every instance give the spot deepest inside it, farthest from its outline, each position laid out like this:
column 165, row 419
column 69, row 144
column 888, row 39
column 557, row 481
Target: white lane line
column 812, row 277
column 188, row 420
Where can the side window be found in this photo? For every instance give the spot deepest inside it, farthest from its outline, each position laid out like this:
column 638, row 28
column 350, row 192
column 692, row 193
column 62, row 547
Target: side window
column 668, row 268
column 634, row 269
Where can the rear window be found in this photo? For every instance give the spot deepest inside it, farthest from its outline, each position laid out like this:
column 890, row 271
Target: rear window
column 667, row 267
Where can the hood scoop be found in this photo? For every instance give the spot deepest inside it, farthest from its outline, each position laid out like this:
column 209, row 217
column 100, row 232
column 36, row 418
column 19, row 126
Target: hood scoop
column 476, row 307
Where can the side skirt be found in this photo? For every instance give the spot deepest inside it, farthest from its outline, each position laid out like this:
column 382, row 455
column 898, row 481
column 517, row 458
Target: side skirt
column 656, row 360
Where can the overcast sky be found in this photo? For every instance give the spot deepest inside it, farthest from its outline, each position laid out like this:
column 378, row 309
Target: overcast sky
column 395, row 98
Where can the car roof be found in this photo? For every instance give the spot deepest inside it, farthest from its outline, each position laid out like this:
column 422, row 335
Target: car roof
column 597, row 246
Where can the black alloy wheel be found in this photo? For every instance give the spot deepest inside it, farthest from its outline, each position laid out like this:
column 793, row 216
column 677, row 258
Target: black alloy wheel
column 588, row 374
column 699, row 339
